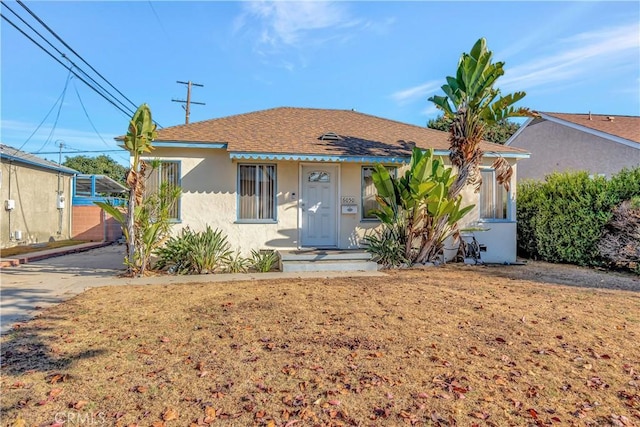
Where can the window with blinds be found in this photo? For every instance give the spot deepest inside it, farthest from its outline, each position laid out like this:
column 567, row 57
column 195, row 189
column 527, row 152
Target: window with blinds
column 369, row 192
column 167, row 172
column 494, row 199
column 257, row 192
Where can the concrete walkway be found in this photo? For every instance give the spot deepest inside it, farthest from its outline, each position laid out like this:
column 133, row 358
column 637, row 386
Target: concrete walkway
column 30, row 287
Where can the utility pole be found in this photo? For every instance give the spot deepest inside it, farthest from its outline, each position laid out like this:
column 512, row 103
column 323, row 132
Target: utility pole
column 61, row 144
column 188, row 102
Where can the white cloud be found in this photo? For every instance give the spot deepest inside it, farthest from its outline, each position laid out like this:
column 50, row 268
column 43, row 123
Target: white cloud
column 431, row 111
column 297, row 23
column 411, row 94
column 581, row 56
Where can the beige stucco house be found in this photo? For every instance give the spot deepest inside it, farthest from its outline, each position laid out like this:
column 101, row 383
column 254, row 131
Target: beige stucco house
column 288, row 178
column 558, row 142
column 36, row 198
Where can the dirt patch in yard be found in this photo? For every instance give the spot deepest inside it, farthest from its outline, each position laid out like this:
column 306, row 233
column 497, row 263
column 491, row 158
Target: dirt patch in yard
column 458, row 345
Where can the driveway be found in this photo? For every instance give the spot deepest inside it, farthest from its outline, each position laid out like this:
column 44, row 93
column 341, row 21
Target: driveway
column 39, row 284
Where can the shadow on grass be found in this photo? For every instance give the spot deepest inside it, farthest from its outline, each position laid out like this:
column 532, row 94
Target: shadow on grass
column 28, row 348
column 563, row 274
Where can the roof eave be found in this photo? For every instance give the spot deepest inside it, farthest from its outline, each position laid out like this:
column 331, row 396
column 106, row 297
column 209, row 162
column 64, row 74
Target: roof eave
column 64, row 170
column 245, row 155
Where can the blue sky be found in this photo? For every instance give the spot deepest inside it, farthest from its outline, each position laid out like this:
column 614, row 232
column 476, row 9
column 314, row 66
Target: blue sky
column 380, row 58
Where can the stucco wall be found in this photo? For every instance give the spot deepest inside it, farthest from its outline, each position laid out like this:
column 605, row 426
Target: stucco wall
column 555, row 147
column 36, row 214
column 500, row 237
column 209, row 181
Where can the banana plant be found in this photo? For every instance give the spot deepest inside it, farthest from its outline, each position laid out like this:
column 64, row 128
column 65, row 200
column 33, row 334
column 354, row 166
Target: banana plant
column 472, row 102
column 138, row 141
column 417, row 208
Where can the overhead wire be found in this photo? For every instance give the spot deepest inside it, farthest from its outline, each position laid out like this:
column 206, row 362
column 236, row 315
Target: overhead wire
column 86, row 113
column 73, row 51
column 126, row 113
column 63, row 55
column 104, row 92
column 45, row 118
column 55, row 123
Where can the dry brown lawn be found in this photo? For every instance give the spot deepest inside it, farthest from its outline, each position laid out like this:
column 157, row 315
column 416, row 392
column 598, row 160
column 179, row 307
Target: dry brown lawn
column 465, row 346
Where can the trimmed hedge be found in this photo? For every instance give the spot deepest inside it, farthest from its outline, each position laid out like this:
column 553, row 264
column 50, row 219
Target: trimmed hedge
column 562, row 218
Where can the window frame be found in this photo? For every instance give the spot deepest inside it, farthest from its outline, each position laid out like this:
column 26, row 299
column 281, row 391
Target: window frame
column 393, row 171
column 158, row 170
column 273, row 220
column 494, row 205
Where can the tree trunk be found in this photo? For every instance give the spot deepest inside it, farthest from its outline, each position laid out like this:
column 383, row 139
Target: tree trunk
column 131, row 240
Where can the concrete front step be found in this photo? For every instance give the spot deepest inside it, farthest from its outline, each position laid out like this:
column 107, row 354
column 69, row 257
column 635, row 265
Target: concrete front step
column 323, row 255
column 325, row 260
column 306, row 266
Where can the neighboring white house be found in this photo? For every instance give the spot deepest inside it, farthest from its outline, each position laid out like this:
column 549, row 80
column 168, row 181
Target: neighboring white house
column 288, row 178
column 558, row 142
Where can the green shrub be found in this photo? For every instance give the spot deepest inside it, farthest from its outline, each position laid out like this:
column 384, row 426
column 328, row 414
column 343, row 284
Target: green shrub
column 387, row 248
column 263, row 261
column 529, row 201
column 563, row 218
column 570, row 223
column 195, row 252
column 625, row 185
column 236, row 263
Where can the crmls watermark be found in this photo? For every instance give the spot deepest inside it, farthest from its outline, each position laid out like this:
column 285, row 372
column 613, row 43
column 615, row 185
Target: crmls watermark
column 77, row 419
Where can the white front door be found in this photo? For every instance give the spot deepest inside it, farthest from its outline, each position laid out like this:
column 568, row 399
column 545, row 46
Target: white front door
column 318, row 205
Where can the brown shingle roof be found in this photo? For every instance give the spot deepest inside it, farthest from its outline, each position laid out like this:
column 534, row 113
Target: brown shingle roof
column 627, row 127
column 298, row 131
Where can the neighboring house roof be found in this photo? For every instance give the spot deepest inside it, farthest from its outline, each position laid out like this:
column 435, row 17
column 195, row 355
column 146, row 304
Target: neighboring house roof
column 310, row 131
column 623, row 129
column 14, row 155
column 99, row 183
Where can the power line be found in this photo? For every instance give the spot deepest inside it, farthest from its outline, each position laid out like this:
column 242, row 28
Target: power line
column 158, row 18
column 55, row 123
column 128, row 114
column 103, row 92
column 87, row 114
column 45, row 117
column 63, row 55
column 78, row 151
column 74, row 52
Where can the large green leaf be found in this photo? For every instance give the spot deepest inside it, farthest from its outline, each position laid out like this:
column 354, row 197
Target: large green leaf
column 382, row 181
column 114, row 211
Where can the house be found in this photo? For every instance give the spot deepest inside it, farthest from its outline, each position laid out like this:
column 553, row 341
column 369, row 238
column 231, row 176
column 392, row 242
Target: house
column 558, row 142
column 36, row 198
column 290, row 178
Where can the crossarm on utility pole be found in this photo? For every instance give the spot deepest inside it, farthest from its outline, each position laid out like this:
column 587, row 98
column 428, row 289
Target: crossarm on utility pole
column 188, row 101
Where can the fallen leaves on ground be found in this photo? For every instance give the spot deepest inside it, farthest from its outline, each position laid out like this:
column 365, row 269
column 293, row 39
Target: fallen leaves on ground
column 444, row 346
